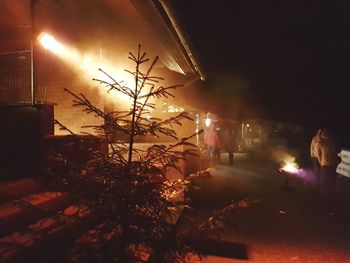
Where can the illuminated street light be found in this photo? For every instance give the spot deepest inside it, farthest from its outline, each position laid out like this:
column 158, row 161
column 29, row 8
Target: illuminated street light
column 50, row 43
column 207, row 122
column 88, row 64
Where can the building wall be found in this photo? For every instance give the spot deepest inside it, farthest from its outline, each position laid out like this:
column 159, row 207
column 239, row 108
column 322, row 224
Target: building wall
column 52, row 79
column 71, row 116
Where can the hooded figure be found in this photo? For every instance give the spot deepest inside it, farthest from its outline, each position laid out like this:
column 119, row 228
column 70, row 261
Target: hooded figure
column 327, row 150
column 313, row 146
column 313, row 154
column 229, row 142
column 328, row 158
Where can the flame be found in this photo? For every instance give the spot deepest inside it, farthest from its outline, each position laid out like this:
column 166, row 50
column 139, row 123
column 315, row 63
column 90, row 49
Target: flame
column 292, row 167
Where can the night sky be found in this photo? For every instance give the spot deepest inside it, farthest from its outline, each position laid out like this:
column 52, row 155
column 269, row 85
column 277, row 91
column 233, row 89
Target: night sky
column 282, row 60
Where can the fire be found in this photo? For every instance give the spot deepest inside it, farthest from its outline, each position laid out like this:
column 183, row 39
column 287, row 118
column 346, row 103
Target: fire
column 291, row 167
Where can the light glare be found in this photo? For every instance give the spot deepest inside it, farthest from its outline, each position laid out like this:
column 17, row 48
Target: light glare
column 207, row 122
column 87, row 65
column 49, row 42
column 291, row 167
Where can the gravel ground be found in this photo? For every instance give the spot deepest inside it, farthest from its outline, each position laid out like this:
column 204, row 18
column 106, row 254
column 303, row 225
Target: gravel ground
column 284, row 225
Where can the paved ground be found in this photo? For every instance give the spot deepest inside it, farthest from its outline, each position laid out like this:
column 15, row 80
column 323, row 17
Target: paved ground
column 284, row 226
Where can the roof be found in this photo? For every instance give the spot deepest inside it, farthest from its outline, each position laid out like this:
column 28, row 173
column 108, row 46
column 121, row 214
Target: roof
column 111, row 24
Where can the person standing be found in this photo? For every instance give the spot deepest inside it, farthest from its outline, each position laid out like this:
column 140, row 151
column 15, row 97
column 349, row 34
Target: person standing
column 211, row 139
column 327, row 154
column 218, row 149
column 228, row 141
column 313, row 154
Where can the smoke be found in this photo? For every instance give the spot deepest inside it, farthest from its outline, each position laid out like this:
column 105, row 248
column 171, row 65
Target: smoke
column 282, row 155
column 226, row 93
column 96, row 63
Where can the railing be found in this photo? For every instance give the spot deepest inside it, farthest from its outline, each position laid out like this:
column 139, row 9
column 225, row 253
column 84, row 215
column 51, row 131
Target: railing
column 15, row 86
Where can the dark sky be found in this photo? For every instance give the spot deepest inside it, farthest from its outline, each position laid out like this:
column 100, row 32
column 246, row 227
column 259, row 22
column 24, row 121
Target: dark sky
column 284, row 59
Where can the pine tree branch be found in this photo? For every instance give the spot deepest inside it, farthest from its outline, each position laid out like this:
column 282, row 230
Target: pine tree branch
column 161, row 92
column 115, row 85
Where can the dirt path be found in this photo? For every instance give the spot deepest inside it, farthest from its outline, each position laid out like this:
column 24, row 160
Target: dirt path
column 284, row 226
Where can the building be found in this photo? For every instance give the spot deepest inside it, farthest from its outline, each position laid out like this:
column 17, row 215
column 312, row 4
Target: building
column 97, row 34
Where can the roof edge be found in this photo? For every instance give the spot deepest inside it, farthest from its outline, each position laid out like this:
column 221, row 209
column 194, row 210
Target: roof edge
column 177, row 29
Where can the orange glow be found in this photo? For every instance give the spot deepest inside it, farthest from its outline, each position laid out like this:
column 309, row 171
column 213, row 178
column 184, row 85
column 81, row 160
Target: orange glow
column 88, row 65
column 49, row 42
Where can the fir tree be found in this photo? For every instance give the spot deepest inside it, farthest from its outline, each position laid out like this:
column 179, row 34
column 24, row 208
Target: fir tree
column 132, row 210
